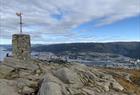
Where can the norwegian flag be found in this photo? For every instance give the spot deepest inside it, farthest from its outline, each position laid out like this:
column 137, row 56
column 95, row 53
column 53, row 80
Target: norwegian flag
column 18, row 14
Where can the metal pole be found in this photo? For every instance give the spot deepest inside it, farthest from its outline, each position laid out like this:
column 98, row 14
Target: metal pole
column 20, row 24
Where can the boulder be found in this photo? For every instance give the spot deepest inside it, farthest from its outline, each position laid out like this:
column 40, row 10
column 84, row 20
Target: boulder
column 78, row 67
column 68, row 77
column 5, row 70
column 16, row 63
column 115, row 85
column 25, row 86
column 25, row 82
column 27, row 90
column 48, row 77
column 50, row 88
column 49, row 80
column 104, row 85
column 7, row 87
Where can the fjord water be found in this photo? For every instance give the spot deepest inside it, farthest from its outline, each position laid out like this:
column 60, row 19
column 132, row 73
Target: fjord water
column 3, row 53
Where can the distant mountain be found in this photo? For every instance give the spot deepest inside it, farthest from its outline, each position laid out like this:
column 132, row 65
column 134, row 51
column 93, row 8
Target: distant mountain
column 130, row 49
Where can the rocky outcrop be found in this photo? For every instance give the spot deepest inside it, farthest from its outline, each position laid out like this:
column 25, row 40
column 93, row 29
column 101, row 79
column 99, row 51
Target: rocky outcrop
column 36, row 77
column 69, row 77
column 7, row 87
column 50, row 88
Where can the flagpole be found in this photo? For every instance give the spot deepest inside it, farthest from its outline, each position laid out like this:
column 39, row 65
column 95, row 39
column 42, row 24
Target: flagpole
column 20, row 24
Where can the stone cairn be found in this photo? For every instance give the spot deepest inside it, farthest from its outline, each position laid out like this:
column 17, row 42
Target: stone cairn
column 21, row 46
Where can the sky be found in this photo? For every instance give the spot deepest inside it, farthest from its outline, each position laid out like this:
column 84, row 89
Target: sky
column 71, row 21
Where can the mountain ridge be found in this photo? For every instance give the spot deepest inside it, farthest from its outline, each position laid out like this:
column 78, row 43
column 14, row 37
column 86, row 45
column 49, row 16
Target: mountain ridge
column 129, row 49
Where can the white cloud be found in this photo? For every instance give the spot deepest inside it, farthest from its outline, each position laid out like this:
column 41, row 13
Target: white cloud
column 38, row 18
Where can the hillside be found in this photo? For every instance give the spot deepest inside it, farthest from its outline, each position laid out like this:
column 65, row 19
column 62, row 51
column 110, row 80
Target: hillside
column 129, row 49
column 37, row 77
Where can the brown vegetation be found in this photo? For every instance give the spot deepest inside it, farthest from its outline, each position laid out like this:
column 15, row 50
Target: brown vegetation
column 132, row 85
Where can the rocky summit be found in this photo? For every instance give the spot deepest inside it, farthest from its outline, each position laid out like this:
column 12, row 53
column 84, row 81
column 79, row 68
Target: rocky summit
column 37, row 77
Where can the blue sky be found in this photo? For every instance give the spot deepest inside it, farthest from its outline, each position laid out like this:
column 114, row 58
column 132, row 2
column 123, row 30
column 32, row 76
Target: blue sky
column 124, row 30
column 59, row 21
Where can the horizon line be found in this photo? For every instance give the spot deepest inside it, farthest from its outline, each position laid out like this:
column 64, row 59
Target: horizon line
column 79, row 42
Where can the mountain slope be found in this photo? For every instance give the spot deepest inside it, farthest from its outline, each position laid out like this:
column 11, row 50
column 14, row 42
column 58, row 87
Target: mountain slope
column 130, row 49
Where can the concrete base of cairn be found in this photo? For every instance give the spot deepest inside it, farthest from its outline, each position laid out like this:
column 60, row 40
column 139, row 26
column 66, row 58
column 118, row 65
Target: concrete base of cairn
column 21, row 46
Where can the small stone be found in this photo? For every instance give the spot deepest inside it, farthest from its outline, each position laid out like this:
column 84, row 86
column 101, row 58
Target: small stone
column 36, row 75
column 89, row 92
column 27, row 90
column 105, row 85
column 117, row 86
column 38, row 71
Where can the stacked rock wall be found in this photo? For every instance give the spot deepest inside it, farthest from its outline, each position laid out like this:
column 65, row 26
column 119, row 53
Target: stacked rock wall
column 21, row 46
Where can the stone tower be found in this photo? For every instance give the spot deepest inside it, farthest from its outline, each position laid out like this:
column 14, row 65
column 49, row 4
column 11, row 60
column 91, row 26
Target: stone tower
column 21, row 46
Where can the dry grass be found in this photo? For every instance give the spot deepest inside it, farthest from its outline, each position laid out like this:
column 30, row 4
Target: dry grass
column 133, row 86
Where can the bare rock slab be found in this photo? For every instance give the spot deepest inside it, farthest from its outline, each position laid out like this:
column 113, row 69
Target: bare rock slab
column 6, row 87
column 50, row 88
column 68, row 77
